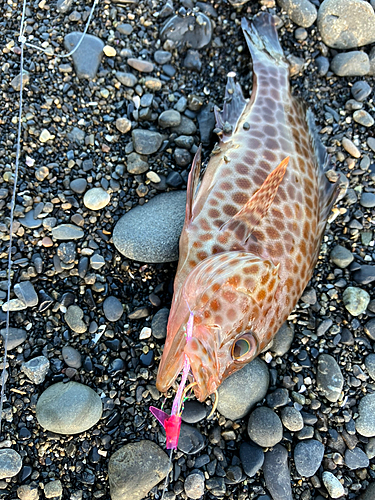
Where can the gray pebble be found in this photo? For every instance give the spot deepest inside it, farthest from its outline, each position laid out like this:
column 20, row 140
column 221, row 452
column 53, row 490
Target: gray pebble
column 356, row 459
column 145, row 141
column 367, row 200
column 194, row 31
column 360, row 90
column 264, row 427
column 365, row 423
column 302, row 12
column 191, row 440
column 193, row 61
column 370, row 365
column 78, row 185
column 291, row 419
column 186, row 127
column 87, row 57
column 151, row 233
column 72, row 357
column 136, row 164
column 300, row 34
column 141, row 65
column 370, row 448
column 30, row 221
column 355, row 300
column 53, row 489
column 194, row 485
column 16, row 82
column 322, row 64
column 334, row 487
column 73, row 317
column 127, row 79
column 277, row 398
column 67, row 232
column 341, row 256
column 193, row 412
column 329, row 377
column 63, row 5
column 96, row 198
column 123, row 125
column 363, row 118
column 97, row 261
column 16, row 336
column 69, row 408
column 283, row 340
column 10, row 463
column 364, row 275
column 276, row 473
column 159, row 324
column 184, row 141
column 169, row 118
column 308, row 456
column 241, row 391
column 67, row 252
column 162, row 56
column 135, row 469
column 252, row 458
column 113, row 309
column 355, row 63
column 25, row 291
column 346, row 24
column 182, row 157
column 353, row 105
column 36, row 369
column 125, row 28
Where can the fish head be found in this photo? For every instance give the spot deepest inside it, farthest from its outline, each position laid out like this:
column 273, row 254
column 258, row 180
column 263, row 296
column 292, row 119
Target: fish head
column 229, row 295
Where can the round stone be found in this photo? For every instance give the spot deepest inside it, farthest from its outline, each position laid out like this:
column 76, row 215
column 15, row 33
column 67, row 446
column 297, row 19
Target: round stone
column 361, row 90
column 113, row 309
column 365, row 423
column 277, row 473
column 72, row 357
column 291, row 419
column 73, row 317
column 240, row 392
column 367, row 200
column 67, row 232
column 194, row 485
column 283, row 340
column 10, row 463
column 169, row 118
column 252, row 458
column 355, row 300
column 78, row 185
column 370, row 365
column 127, row 79
column 162, row 56
column 146, row 142
column 329, row 377
column 350, row 148
column 341, row 256
column 96, row 198
column 150, row 233
column 69, row 408
column 193, row 412
column 264, row 427
column 159, row 324
column 123, row 125
column 191, row 440
column 334, row 487
column 356, row 459
column 36, row 369
column 53, row 489
column 141, row 65
column 302, row 12
column 109, row 51
column 355, row 63
column 363, row 118
column 308, row 456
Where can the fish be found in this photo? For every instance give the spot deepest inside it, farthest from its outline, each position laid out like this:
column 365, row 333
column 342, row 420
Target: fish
column 253, row 225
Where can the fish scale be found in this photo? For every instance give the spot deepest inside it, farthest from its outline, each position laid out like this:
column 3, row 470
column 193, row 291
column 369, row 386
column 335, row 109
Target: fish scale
column 253, row 224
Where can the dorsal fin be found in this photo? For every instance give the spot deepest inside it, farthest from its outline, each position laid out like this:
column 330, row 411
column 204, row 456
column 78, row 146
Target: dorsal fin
column 234, row 104
column 257, row 207
column 192, row 184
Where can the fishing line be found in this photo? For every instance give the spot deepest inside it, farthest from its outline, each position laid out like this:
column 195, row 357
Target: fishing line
column 23, row 41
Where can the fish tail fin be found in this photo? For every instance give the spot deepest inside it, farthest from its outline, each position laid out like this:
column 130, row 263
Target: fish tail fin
column 262, row 40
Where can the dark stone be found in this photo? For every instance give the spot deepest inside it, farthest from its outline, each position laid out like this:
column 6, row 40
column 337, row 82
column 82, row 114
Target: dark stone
column 252, row 458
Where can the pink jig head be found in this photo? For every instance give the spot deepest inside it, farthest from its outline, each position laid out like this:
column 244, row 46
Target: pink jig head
column 172, row 422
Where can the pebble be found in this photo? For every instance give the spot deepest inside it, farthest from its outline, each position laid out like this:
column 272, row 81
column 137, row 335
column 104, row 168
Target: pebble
column 53, row 489
column 361, row 90
column 136, row 164
column 162, row 56
column 141, row 65
column 63, row 5
column 135, row 468
column 329, row 377
column 252, row 458
column 72, row 357
column 125, row 28
column 355, row 300
column 186, row 127
column 283, row 340
column 112, row 308
column 16, row 336
column 36, row 369
column 109, row 51
column 364, row 275
column 46, row 136
column 346, row 24
column 308, row 456
column 354, row 63
column 25, row 291
column 150, row 233
column 302, row 12
column 322, row 64
column 276, row 473
column 87, row 57
column 356, row 459
column 73, row 317
column 30, row 221
column 341, row 256
column 193, row 61
column 159, row 324
column 96, row 198
column 16, row 82
column 67, row 232
column 146, row 142
column 127, row 79
column 194, row 485
column 334, row 487
column 264, row 427
column 193, row 412
column 191, row 440
column 169, row 118
column 367, row 200
column 69, row 408
column 241, row 391
column 10, row 463
column 27, row 492
column 78, row 185
column 291, row 419
column 370, row 365
column 365, row 423
column 363, row 118
column 194, row 31
column 123, row 125
column 350, row 147
column 277, row 398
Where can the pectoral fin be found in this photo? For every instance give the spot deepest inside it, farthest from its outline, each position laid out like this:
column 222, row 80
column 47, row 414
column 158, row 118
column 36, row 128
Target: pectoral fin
column 258, row 205
column 193, row 182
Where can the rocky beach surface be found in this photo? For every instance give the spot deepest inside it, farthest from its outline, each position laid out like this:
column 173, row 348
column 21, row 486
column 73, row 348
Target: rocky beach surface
column 108, row 137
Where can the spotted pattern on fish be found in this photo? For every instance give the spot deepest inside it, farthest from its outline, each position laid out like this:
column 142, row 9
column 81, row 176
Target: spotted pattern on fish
column 253, row 224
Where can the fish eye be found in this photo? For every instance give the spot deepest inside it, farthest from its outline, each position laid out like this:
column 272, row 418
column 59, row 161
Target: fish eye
column 244, row 347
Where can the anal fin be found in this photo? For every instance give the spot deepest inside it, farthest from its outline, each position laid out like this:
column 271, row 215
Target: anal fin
column 257, row 207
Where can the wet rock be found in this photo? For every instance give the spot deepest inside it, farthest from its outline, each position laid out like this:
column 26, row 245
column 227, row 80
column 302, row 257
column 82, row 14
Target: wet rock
column 361, row 90
column 73, row 317
column 169, row 118
column 193, row 412
column 291, row 419
column 159, row 324
column 123, row 125
column 355, row 300
column 72, row 357
column 283, row 340
column 193, row 61
column 346, row 24
column 194, row 31
column 16, row 336
column 364, row 275
column 53, row 489
column 363, row 118
column 146, row 142
column 96, row 198
column 252, row 458
column 112, row 308
column 191, row 440
column 67, row 232
column 151, row 233
column 276, row 473
column 308, row 456
column 355, row 63
column 69, row 408
column 87, row 57
column 365, row 423
column 242, row 390
column 329, row 377
column 264, row 427
column 302, row 12
column 141, row 65
column 135, row 469
column 341, row 256
column 356, row 459
column 194, row 485
column 36, row 369
column 10, row 463
column 127, row 79
column 334, row 487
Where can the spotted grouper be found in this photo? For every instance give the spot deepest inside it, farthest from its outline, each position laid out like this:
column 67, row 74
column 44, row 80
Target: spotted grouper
column 253, row 227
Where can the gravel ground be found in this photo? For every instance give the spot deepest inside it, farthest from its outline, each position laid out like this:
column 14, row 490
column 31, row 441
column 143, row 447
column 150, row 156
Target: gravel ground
column 105, row 132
